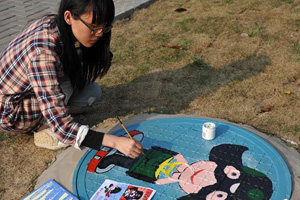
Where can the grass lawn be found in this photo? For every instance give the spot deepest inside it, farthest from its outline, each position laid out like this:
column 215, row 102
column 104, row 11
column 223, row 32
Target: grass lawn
column 230, row 59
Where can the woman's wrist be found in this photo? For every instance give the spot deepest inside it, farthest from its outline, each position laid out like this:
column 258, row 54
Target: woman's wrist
column 110, row 140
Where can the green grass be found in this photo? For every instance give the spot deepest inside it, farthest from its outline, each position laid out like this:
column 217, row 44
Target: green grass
column 186, row 43
column 32, row 183
column 287, row 1
column 161, row 37
column 198, row 62
column 140, row 70
column 297, row 22
column 219, row 67
column 252, row 33
column 296, row 46
column 2, row 136
column 185, row 25
column 229, row 1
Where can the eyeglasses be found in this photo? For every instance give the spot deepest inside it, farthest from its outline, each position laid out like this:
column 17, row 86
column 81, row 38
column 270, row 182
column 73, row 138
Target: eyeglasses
column 99, row 31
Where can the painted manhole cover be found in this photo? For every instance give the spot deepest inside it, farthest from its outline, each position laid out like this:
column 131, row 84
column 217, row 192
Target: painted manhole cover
column 179, row 164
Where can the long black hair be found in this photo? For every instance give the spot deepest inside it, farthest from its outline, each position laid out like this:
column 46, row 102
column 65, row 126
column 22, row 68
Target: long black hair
column 95, row 60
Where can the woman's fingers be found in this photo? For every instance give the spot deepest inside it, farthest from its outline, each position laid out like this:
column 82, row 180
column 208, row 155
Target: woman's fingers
column 139, row 146
column 129, row 147
column 133, row 154
column 136, row 149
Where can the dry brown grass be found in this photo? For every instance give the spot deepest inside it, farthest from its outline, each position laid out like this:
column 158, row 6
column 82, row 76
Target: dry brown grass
column 20, row 165
column 240, row 59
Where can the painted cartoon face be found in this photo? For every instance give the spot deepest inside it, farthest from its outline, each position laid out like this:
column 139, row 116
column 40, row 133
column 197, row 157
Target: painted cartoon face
column 111, row 187
column 197, row 176
column 132, row 193
column 202, row 174
column 126, row 193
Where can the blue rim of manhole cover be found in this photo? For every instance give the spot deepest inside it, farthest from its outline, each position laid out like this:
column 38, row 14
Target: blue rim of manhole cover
column 237, row 164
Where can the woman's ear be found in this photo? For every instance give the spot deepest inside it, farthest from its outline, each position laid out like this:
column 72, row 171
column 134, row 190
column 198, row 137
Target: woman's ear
column 68, row 17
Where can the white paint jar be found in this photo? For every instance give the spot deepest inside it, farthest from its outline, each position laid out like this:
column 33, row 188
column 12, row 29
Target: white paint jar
column 209, row 131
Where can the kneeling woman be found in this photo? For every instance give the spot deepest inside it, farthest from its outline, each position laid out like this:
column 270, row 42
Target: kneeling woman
column 53, row 64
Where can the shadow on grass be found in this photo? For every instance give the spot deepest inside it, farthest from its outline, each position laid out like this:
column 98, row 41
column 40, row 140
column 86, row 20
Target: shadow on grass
column 171, row 91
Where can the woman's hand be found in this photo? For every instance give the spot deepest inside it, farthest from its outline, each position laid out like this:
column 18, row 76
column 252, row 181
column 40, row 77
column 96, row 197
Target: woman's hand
column 130, row 147
column 127, row 146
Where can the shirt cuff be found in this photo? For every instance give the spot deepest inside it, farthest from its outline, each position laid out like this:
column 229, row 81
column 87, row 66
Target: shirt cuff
column 82, row 132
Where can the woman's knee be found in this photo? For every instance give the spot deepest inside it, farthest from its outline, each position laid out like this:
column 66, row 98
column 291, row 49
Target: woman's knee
column 94, row 92
column 87, row 96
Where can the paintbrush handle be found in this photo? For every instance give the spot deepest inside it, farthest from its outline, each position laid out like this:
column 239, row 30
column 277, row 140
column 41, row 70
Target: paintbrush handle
column 126, row 131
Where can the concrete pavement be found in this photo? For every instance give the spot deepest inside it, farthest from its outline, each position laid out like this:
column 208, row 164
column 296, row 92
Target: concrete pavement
column 15, row 15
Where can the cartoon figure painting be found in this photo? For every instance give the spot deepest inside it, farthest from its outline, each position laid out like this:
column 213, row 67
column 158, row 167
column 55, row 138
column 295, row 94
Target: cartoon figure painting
column 222, row 177
column 111, row 189
column 132, row 193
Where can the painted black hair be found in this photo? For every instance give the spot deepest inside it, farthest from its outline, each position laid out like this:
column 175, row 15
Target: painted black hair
column 95, row 60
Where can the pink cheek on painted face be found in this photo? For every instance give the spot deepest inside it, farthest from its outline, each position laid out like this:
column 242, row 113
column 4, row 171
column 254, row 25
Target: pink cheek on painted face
column 232, row 172
column 217, row 195
column 197, row 176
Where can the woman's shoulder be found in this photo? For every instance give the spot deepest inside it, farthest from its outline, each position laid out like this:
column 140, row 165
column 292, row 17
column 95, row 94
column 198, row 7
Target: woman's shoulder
column 45, row 31
column 41, row 34
column 41, row 37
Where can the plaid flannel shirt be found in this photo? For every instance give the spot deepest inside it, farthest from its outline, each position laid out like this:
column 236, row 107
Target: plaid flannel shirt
column 30, row 68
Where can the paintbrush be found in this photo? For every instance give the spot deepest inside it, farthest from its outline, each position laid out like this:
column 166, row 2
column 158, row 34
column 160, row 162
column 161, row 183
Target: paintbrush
column 126, row 131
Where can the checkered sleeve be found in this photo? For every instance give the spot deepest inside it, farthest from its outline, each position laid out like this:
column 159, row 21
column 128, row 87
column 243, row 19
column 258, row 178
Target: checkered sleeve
column 43, row 77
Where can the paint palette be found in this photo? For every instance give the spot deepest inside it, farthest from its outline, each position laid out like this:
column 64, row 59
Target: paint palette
column 179, row 164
